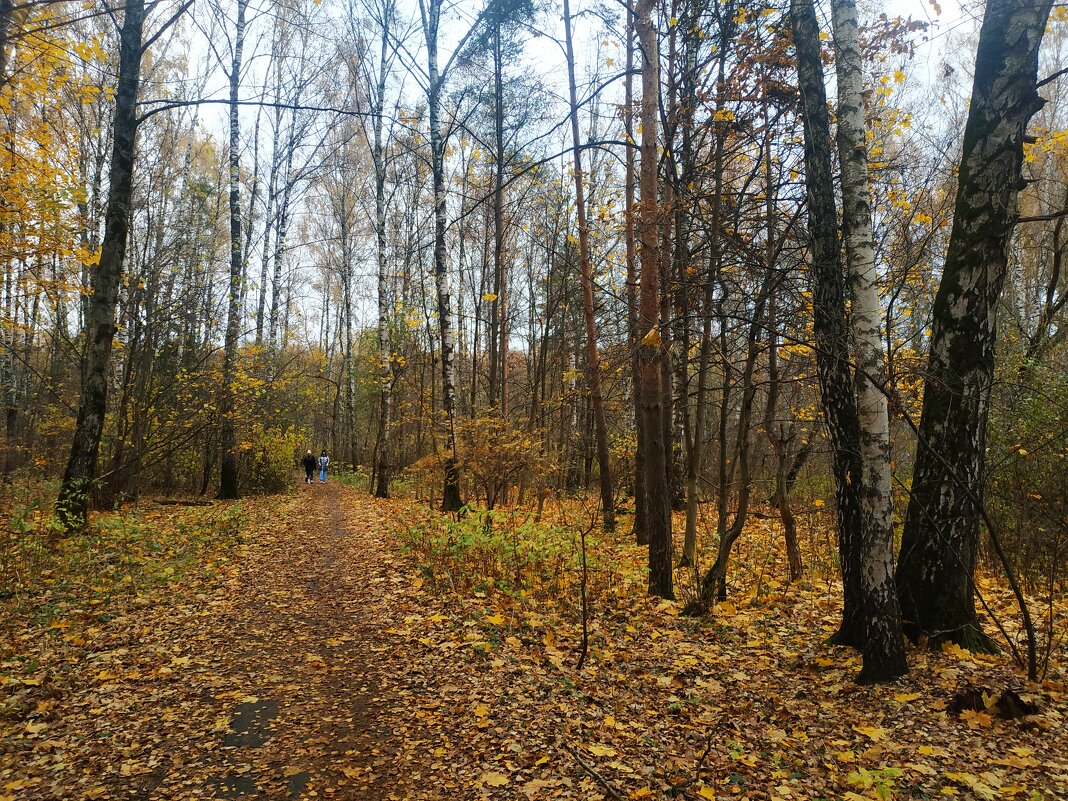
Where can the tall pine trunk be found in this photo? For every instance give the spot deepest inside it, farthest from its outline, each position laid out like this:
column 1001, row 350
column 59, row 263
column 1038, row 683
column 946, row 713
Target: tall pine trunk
column 593, row 361
column 941, row 537
column 650, row 346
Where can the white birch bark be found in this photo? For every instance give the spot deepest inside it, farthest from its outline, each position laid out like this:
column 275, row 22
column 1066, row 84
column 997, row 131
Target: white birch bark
column 883, row 647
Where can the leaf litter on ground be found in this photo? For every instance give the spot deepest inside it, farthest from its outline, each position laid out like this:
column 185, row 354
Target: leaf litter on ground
column 329, row 645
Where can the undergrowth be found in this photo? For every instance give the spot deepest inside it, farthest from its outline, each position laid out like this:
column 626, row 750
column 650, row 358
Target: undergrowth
column 123, row 557
column 508, row 552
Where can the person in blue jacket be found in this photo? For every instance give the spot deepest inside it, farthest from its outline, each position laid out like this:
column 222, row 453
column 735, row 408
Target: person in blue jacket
column 324, row 462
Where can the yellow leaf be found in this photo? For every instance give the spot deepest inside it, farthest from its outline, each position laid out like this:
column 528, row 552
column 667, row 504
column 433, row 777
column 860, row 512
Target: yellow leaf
column 481, row 711
column 495, row 620
column 873, row 733
column 652, row 338
column 845, row 756
column 707, row 792
column 904, row 698
column 602, row 750
column 493, row 779
column 976, row 720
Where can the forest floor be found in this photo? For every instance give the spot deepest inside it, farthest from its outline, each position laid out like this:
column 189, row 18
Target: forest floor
column 328, row 645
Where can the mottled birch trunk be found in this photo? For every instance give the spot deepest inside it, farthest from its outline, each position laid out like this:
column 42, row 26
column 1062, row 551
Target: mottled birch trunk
column 884, row 647
column 228, row 432
column 941, row 537
column 450, row 500
column 830, row 320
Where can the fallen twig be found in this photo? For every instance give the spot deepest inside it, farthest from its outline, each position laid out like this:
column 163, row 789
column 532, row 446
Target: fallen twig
column 607, row 785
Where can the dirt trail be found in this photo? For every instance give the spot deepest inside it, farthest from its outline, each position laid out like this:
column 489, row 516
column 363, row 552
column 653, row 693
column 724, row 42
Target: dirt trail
column 290, row 666
column 305, row 634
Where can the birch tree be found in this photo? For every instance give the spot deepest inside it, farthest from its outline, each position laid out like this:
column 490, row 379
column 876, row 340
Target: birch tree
column 884, row 650
column 940, row 542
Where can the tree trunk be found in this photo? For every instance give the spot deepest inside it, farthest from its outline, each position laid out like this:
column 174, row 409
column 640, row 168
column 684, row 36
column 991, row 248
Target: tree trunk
column 641, row 534
column 385, row 354
column 829, row 315
column 593, row 362
column 228, row 488
column 450, row 500
column 884, row 647
column 941, row 537
column 695, row 456
column 73, row 501
column 650, row 346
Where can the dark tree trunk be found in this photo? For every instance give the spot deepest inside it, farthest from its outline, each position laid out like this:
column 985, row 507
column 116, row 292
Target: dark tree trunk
column 829, row 316
column 385, row 353
column 941, row 536
column 650, row 346
column 73, row 501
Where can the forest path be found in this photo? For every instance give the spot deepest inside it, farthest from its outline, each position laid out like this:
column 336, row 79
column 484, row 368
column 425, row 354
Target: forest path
column 307, row 644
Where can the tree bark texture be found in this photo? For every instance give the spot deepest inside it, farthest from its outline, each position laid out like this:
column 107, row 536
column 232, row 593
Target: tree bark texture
column 941, row 537
column 73, row 501
column 884, row 647
column 593, row 361
column 385, row 354
column 830, row 321
column 228, row 488
column 650, row 346
column 640, row 527
column 450, row 498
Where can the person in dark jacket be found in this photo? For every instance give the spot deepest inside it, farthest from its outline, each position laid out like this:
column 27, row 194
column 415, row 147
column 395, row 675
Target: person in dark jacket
column 309, row 467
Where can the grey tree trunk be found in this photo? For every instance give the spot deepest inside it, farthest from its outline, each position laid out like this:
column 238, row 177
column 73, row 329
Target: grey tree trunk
column 73, row 501
column 941, row 537
column 696, row 450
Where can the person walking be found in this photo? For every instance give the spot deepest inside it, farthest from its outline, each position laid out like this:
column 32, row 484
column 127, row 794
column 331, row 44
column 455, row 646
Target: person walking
column 309, row 467
column 324, row 462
